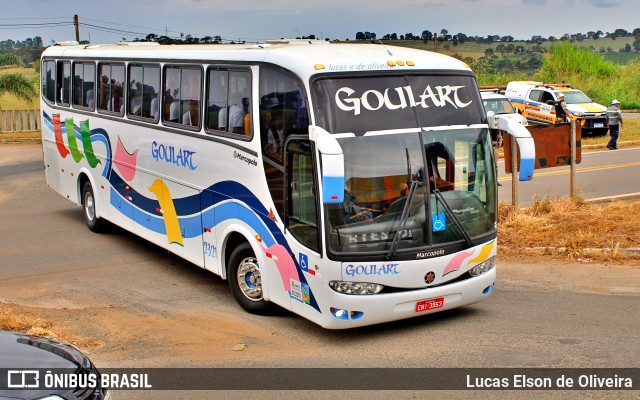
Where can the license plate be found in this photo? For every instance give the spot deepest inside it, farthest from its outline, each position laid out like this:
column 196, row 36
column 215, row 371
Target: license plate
column 431, row 304
column 598, row 125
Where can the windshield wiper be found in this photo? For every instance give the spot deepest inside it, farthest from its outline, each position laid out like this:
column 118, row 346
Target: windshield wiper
column 448, row 209
column 405, row 210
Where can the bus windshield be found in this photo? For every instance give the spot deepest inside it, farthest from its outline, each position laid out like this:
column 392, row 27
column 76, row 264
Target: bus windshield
column 450, row 173
column 419, row 168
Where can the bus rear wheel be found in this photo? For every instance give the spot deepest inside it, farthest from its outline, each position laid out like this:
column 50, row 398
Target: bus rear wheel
column 94, row 223
column 245, row 280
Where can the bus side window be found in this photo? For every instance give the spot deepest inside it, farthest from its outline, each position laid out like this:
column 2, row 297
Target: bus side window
column 229, row 101
column 182, row 95
column 63, row 88
column 49, row 80
column 111, row 87
column 83, row 84
column 283, row 111
column 216, row 103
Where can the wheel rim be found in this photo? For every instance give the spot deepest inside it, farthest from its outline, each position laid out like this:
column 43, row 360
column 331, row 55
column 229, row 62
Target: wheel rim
column 89, row 206
column 250, row 279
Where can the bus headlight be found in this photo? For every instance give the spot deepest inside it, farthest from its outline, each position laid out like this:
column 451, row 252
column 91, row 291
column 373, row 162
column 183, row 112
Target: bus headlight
column 483, row 267
column 355, row 287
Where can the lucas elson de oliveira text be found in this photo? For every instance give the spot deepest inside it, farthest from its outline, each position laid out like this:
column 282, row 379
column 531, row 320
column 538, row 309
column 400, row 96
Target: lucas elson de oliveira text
column 525, row 382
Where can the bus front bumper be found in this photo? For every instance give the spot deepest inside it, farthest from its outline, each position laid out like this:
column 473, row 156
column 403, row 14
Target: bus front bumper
column 350, row 311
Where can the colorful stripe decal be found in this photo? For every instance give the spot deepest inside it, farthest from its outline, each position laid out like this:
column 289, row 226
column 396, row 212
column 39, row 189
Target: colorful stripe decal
column 125, row 162
column 85, row 132
column 96, row 135
column 57, row 129
column 160, row 189
column 71, row 139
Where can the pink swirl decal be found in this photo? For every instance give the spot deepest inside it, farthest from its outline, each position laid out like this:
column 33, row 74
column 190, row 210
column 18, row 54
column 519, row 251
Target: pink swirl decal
column 456, row 262
column 125, row 162
column 279, row 254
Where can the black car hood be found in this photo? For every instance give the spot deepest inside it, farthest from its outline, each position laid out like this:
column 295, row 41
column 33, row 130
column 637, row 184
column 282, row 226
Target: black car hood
column 19, row 351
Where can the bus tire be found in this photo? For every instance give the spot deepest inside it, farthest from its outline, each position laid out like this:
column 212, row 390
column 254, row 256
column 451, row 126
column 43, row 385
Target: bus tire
column 243, row 273
column 94, row 223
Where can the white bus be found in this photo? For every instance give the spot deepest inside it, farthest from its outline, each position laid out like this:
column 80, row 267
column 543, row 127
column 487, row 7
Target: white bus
column 352, row 184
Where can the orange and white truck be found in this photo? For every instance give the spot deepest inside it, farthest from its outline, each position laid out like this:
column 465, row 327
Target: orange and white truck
column 537, row 101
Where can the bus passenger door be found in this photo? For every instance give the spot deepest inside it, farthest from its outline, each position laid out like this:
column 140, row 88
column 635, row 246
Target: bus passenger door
column 209, row 243
column 301, row 223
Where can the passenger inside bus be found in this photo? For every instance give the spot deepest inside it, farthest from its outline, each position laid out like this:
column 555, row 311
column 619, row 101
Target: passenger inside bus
column 236, row 113
column 190, row 117
column 275, row 135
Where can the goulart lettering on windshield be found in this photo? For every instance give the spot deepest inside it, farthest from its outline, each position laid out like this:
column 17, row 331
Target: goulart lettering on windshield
column 374, row 100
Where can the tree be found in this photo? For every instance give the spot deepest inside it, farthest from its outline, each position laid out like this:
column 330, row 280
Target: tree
column 620, row 33
column 426, row 35
column 489, row 52
column 17, row 85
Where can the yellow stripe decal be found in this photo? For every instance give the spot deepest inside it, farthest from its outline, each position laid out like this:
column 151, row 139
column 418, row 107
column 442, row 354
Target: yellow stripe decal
column 160, row 189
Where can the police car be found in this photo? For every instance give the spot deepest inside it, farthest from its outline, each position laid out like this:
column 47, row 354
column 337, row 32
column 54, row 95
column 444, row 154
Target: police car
column 537, row 101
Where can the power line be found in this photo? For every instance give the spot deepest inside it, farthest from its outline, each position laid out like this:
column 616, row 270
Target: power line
column 131, row 26
column 113, row 30
column 30, row 18
column 35, row 25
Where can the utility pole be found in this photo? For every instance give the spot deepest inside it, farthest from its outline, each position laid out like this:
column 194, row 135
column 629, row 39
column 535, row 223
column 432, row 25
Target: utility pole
column 77, row 25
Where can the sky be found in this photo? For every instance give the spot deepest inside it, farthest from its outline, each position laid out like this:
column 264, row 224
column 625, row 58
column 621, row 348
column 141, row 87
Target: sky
column 259, row 20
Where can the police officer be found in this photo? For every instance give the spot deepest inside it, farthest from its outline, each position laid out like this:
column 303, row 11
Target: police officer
column 614, row 120
column 562, row 113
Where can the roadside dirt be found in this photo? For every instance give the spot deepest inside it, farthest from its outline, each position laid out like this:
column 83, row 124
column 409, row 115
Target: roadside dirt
column 126, row 337
column 585, row 276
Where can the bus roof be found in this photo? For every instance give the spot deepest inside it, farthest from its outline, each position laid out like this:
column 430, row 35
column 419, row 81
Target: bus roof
column 304, row 58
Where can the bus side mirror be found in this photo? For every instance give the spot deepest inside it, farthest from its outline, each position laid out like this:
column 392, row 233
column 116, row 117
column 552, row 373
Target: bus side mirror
column 331, row 164
column 491, row 120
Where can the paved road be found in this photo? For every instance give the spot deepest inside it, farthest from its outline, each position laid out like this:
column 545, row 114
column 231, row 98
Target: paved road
column 149, row 308
column 600, row 174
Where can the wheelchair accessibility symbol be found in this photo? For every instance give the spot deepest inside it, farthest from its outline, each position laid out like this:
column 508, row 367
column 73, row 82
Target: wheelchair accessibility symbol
column 304, row 262
column 438, row 222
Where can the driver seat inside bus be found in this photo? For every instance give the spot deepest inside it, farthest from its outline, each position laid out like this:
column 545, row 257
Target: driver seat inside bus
column 437, row 154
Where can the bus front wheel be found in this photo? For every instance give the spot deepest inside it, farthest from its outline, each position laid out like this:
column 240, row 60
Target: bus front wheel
column 245, row 280
column 94, row 223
